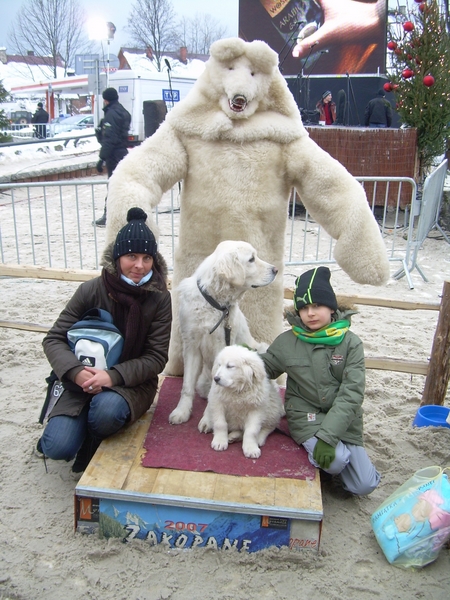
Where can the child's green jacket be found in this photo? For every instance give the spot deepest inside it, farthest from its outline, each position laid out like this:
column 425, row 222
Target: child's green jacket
column 324, row 387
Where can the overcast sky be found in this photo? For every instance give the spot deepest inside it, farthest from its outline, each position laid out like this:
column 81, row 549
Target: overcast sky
column 117, row 11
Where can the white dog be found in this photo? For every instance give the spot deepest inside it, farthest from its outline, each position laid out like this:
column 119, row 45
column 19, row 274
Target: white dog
column 210, row 317
column 243, row 404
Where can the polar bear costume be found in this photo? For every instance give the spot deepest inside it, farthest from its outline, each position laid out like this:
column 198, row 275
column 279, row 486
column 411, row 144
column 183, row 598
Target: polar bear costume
column 238, row 144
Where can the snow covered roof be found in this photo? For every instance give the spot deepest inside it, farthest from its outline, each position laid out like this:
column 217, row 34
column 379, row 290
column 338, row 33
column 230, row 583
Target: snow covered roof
column 16, row 74
column 142, row 65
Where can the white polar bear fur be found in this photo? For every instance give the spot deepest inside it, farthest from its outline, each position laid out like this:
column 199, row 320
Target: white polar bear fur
column 238, row 170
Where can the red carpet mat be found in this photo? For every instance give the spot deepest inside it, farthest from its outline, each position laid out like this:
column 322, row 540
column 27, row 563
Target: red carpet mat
column 184, row 447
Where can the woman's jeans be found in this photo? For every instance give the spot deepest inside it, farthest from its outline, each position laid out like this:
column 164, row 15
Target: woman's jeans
column 63, row 436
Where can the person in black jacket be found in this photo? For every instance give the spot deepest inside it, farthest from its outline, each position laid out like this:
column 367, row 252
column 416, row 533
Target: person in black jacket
column 378, row 112
column 112, row 134
column 40, row 119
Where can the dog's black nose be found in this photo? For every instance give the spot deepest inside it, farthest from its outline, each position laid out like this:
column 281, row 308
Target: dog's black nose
column 217, row 379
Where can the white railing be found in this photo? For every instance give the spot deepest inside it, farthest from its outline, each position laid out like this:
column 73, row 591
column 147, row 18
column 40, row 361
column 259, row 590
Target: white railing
column 51, row 224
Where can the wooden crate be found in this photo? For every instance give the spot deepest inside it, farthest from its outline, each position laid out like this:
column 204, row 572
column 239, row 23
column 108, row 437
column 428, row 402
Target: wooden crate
column 118, row 497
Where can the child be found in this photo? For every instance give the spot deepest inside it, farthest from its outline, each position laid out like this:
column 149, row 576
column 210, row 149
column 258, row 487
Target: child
column 324, row 363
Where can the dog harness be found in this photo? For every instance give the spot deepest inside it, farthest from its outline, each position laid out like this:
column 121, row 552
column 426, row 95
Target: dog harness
column 225, row 310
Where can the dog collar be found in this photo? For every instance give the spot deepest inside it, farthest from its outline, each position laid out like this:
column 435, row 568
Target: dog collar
column 225, row 310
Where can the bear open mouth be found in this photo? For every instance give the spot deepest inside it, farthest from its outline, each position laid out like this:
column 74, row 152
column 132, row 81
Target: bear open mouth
column 238, row 103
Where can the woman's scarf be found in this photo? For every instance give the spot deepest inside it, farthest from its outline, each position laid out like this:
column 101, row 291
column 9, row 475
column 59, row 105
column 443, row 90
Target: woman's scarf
column 127, row 313
column 330, row 335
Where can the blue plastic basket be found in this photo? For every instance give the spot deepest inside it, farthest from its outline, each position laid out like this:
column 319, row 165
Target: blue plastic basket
column 432, row 415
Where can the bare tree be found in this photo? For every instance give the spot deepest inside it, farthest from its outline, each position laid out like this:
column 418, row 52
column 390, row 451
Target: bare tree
column 152, row 24
column 52, row 29
column 199, row 33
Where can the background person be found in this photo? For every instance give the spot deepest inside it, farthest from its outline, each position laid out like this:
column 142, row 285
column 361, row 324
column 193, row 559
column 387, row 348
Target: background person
column 97, row 403
column 378, row 111
column 326, row 108
column 112, row 134
column 40, row 120
column 324, row 363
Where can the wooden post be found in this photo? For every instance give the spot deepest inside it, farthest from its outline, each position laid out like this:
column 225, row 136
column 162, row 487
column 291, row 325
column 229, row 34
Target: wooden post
column 438, row 376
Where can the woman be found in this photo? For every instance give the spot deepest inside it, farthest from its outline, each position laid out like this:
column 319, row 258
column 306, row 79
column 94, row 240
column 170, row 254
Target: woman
column 327, row 109
column 97, row 403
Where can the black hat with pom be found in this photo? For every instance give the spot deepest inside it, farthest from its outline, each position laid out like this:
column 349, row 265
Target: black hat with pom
column 135, row 236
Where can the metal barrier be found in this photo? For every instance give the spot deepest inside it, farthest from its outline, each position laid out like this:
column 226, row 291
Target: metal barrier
column 51, row 223
column 30, row 139
column 318, row 246
column 19, row 131
column 433, row 190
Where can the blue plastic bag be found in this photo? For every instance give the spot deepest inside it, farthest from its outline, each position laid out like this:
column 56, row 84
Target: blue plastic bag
column 413, row 524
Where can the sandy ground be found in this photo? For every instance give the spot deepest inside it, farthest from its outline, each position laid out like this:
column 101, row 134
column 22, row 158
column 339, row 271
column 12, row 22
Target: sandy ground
column 42, row 557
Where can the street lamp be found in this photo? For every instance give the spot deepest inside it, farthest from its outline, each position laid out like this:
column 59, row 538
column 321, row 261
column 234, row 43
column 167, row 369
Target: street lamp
column 99, row 30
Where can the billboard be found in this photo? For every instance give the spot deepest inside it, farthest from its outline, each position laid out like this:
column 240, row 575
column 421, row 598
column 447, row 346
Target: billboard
column 331, row 37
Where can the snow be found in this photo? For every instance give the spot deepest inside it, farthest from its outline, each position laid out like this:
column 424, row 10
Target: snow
column 141, row 65
column 48, row 155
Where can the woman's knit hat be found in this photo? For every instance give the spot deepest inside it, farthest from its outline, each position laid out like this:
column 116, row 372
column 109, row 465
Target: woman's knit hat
column 110, row 94
column 313, row 287
column 135, row 237
column 325, row 94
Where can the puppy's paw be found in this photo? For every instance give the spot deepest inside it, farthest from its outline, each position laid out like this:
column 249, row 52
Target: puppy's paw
column 262, row 347
column 179, row 415
column 251, row 451
column 219, row 443
column 204, row 425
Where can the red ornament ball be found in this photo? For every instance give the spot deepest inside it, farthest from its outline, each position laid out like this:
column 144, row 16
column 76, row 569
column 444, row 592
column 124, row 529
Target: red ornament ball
column 407, row 73
column 422, row 7
column 428, row 80
column 387, row 87
column 392, row 45
column 408, row 26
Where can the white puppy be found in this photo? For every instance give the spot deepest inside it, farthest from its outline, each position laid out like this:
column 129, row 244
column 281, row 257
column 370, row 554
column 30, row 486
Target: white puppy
column 243, row 404
column 210, row 317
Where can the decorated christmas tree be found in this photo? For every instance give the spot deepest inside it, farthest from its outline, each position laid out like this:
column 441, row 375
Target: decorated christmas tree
column 420, row 47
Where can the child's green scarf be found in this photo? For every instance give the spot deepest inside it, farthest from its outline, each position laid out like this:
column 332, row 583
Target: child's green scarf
column 330, row 335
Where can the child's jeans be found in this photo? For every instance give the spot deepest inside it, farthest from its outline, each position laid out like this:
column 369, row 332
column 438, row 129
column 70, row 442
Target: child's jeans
column 352, row 464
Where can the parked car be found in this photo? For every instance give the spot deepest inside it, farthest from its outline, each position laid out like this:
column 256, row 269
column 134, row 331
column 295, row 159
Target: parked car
column 63, row 125
column 21, row 117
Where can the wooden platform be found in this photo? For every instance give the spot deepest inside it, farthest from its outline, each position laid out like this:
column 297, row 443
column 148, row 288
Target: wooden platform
column 118, row 497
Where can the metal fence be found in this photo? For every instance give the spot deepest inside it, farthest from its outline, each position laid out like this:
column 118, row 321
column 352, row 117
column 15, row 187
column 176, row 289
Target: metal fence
column 52, row 223
column 431, row 201
column 25, row 137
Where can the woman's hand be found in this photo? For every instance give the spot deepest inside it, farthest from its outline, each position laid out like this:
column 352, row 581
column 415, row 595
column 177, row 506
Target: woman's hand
column 93, row 380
